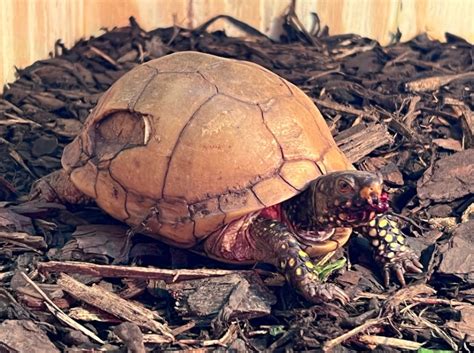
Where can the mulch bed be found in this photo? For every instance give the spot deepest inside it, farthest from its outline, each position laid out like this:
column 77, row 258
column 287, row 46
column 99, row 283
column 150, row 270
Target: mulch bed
column 404, row 109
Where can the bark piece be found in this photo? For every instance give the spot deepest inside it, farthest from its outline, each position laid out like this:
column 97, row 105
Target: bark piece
column 450, row 178
column 448, row 144
column 12, row 221
column 94, row 241
column 112, row 271
column 23, row 239
column 24, row 336
column 389, row 170
column 115, row 305
column 238, row 295
column 359, row 140
column 131, row 335
column 459, row 258
column 464, row 328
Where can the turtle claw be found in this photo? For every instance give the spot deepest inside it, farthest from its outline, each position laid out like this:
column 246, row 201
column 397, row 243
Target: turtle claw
column 317, row 292
column 401, row 264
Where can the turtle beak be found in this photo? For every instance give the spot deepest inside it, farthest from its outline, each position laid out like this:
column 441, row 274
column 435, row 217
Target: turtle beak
column 376, row 198
column 372, row 193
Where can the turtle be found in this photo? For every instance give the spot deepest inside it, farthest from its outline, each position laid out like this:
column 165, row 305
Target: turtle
column 223, row 155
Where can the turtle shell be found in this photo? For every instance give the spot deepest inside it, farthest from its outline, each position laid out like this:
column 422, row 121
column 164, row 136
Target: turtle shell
column 189, row 142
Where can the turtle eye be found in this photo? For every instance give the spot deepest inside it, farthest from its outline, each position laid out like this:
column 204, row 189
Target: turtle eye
column 344, row 187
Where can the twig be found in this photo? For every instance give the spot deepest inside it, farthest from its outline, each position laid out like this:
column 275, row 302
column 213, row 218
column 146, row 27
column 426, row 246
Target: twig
column 435, row 82
column 342, row 108
column 435, row 328
column 11, row 105
column 112, row 271
column 429, row 301
column 338, row 340
column 389, row 341
column 16, row 156
column 105, row 57
column 56, row 311
column 17, row 120
column 186, row 327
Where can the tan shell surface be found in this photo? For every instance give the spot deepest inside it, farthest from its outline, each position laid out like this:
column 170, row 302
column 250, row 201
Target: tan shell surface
column 188, row 142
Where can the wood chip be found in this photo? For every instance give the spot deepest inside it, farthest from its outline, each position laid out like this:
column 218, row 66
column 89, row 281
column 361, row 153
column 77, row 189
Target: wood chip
column 449, row 179
column 60, row 315
column 359, row 140
column 24, row 336
column 112, row 271
column 115, row 305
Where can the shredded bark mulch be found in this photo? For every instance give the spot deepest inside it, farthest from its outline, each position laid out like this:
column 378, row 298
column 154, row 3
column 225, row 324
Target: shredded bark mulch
column 404, row 109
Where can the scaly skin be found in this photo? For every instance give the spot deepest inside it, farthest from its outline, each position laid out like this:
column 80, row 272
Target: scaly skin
column 390, row 248
column 293, row 261
column 284, row 235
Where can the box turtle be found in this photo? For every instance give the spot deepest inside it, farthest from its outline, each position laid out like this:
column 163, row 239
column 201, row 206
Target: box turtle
column 224, row 155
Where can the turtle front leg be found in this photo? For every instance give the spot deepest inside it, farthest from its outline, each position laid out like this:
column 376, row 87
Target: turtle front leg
column 264, row 240
column 58, row 187
column 391, row 250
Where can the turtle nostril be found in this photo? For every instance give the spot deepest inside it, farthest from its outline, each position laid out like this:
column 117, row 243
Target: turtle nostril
column 375, row 199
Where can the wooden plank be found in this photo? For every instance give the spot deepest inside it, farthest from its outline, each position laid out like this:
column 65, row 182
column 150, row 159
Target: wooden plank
column 29, row 28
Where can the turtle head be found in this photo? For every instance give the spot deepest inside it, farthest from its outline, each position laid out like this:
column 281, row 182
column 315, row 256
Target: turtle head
column 348, row 198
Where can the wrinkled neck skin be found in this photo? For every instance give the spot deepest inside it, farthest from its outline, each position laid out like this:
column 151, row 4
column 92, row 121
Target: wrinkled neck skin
column 305, row 211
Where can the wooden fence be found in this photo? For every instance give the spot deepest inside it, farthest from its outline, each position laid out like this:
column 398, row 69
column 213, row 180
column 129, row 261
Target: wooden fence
column 29, row 28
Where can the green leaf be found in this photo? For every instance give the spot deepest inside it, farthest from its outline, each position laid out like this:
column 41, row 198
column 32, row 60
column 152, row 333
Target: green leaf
column 427, row 350
column 325, row 271
column 276, row 330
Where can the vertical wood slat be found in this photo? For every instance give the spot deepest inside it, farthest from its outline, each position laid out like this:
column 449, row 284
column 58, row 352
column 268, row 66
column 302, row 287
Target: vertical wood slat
column 29, row 28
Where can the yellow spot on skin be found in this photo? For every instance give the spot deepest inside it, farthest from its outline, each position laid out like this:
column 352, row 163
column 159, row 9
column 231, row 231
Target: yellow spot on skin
column 342, row 216
column 391, row 255
column 389, row 238
column 283, row 264
column 293, row 241
column 396, row 230
column 302, row 253
column 373, row 232
column 401, row 239
column 336, row 202
column 403, row 248
column 309, row 264
column 299, row 271
column 393, row 224
column 283, row 246
column 375, row 242
column 272, row 225
column 381, row 247
column 372, row 223
column 394, row 246
column 291, row 262
column 349, row 203
column 383, row 223
column 382, row 232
